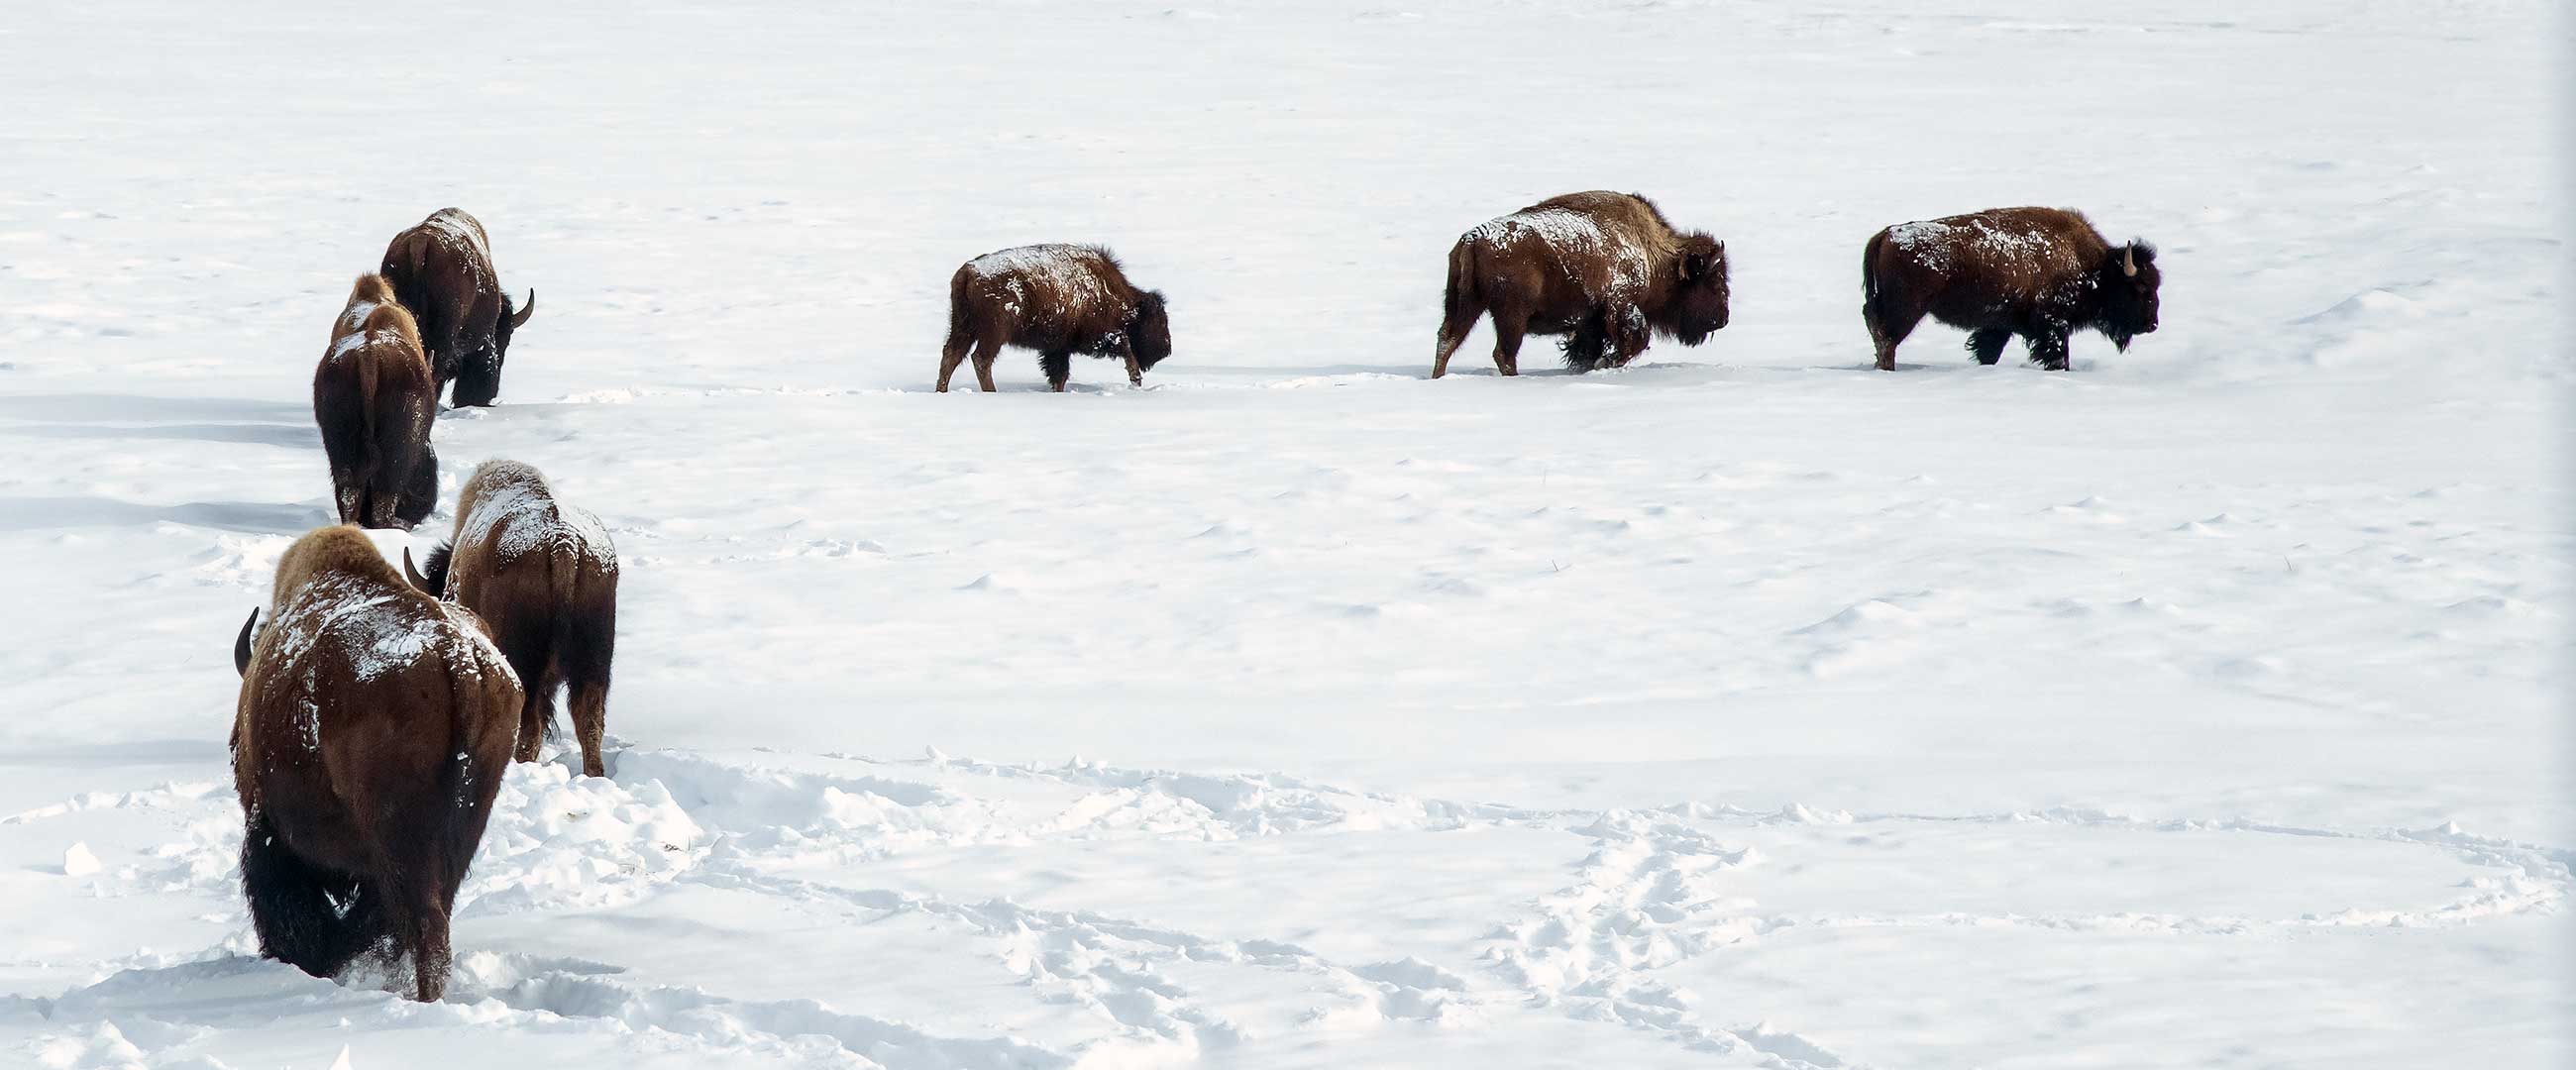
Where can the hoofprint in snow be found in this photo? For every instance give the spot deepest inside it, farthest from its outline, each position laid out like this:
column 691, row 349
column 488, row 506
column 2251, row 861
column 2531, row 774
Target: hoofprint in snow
column 1744, row 707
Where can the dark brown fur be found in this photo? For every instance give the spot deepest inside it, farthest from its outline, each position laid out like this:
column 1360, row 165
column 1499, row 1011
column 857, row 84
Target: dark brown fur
column 544, row 576
column 2041, row 273
column 1058, row 300
column 374, row 400
column 442, row 270
column 1541, row 271
column 366, row 774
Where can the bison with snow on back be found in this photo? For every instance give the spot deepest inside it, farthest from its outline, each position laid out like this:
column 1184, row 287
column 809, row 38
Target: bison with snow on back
column 374, row 399
column 373, row 728
column 442, row 270
column 1605, row 269
column 544, row 577
column 2041, row 273
column 1059, row 300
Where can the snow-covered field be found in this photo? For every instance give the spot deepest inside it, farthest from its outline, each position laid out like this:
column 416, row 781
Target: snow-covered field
column 2206, row 706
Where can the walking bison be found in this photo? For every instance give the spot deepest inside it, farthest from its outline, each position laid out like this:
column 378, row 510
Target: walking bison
column 2041, row 273
column 543, row 576
column 1059, row 300
column 373, row 399
column 442, row 270
column 373, row 728
column 1605, row 269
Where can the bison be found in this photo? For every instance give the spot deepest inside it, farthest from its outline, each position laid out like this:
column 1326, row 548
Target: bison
column 373, row 728
column 374, row 399
column 1058, row 300
column 2036, row 272
column 1604, row 269
column 442, row 270
column 544, row 577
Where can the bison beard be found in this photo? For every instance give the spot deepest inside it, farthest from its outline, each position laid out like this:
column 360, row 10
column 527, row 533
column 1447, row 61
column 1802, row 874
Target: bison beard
column 2041, row 273
column 365, row 779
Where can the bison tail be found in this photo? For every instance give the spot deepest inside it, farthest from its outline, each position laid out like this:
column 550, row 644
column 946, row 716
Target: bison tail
column 1460, row 296
column 1869, row 267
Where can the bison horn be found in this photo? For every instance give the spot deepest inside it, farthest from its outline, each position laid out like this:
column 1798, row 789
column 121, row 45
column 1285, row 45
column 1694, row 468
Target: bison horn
column 413, row 574
column 241, row 645
column 2128, row 265
column 520, row 318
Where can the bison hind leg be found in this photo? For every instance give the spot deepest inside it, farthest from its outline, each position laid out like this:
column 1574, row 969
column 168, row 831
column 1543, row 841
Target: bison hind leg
column 1988, row 344
column 586, row 653
column 308, row 917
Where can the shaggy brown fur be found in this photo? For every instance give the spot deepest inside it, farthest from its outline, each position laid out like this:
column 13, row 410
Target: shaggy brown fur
column 544, row 576
column 373, row 728
column 1058, row 300
column 442, row 270
column 373, row 399
column 1605, row 269
column 2040, row 273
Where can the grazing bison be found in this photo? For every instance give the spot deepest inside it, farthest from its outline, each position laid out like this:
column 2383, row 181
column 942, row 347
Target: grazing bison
column 374, row 725
column 374, row 400
column 442, row 270
column 2036, row 272
column 1605, row 269
column 1058, row 300
column 544, row 577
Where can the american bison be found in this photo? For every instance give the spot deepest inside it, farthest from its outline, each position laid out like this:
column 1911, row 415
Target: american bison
column 373, row 728
column 1058, row 300
column 2036, row 272
column 544, row 577
column 374, row 399
column 1605, row 269
column 442, row 270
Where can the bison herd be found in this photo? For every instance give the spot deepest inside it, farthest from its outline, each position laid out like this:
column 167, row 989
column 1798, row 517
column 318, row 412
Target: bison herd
column 378, row 708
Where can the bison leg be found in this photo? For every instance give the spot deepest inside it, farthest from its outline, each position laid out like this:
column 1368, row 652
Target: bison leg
column 1887, row 330
column 1058, row 365
column 537, row 711
column 587, row 653
column 1135, row 370
column 1508, row 331
column 986, row 350
column 1584, row 347
column 478, row 378
column 950, row 356
column 2048, row 347
column 1988, row 344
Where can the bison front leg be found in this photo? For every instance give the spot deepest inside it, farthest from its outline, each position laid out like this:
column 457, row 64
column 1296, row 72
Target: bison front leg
column 1135, row 369
column 1058, row 366
column 2048, row 347
column 1988, row 345
column 1628, row 334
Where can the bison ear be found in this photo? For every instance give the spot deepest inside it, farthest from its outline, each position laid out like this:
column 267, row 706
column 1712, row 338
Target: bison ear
column 1694, row 265
column 2143, row 252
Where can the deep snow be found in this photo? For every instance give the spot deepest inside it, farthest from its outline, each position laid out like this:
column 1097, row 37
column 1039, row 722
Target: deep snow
column 2204, row 706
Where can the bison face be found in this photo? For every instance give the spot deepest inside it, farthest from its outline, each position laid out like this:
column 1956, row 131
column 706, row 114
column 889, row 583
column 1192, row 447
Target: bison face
column 2129, row 282
column 1699, row 305
column 1149, row 329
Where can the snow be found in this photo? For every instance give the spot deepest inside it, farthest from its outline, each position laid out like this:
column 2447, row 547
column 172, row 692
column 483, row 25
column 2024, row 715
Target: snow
column 2202, row 706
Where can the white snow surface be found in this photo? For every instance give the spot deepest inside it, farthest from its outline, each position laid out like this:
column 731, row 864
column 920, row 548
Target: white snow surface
column 2203, row 706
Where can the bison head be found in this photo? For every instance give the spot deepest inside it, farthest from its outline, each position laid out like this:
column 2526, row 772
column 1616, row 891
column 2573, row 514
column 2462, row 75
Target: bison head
column 478, row 377
column 1699, row 304
column 2129, row 281
column 1149, row 329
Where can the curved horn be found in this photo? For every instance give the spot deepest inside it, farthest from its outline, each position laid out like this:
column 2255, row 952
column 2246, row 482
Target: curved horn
column 520, row 318
column 413, row 574
column 2128, row 264
column 241, row 645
